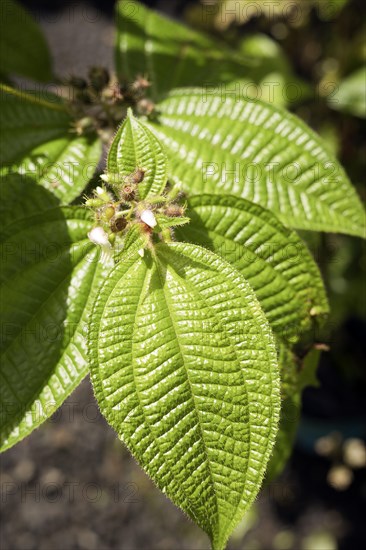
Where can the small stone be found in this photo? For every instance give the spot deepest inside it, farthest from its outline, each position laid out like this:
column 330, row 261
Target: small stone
column 24, row 471
column 52, row 476
column 354, row 452
column 340, row 477
column 87, row 539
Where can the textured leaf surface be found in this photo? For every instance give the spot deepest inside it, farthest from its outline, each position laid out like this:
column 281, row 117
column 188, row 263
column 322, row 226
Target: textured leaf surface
column 49, row 271
column 23, row 49
column 261, row 153
column 172, row 55
column 37, row 140
column 135, row 146
column 184, row 368
column 271, row 257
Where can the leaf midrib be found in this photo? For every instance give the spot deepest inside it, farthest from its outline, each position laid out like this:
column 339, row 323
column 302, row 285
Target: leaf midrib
column 159, row 268
column 194, row 291
column 142, row 408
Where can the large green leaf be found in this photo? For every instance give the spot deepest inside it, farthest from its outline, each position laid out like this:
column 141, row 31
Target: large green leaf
column 260, row 152
column 37, row 140
column 184, row 368
column 135, row 146
column 23, row 49
column 168, row 52
column 271, row 257
column 49, row 271
column 173, row 55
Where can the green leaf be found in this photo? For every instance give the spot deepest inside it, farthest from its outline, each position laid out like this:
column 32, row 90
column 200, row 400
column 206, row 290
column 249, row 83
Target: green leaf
column 296, row 375
column 23, row 49
column 221, row 14
column 259, row 152
column 308, row 373
column 350, row 96
column 135, row 146
column 184, row 368
column 275, row 78
column 271, row 258
column 37, row 140
column 290, row 412
column 171, row 221
column 49, row 273
column 172, row 55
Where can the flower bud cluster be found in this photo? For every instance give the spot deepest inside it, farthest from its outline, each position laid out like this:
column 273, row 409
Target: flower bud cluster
column 99, row 102
column 118, row 207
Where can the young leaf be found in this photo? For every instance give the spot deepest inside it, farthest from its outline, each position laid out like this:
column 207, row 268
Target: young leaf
column 49, row 274
column 135, row 146
column 259, row 152
column 184, row 368
column 168, row 221
column 271, row 258
column 23, row 49
column 37, row 140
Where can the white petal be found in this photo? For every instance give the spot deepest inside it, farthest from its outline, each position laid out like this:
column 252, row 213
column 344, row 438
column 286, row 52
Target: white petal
column 141, row 252
column 98, row 236
column 147, row 216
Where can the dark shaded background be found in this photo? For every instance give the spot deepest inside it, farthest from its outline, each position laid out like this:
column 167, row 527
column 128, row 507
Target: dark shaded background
column 72, row 485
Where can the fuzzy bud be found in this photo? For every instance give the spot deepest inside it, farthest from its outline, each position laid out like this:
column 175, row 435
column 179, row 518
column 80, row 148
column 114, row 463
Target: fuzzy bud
column 174, row 210
column 118, row 224
column 99, row 78
column 138, row 175
column 145, row 107
column 128, row 192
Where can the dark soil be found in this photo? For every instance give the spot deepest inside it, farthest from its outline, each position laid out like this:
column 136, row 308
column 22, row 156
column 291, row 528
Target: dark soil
column 73, row 485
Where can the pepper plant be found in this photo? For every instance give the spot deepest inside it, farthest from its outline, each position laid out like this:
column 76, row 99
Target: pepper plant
column 173, row 274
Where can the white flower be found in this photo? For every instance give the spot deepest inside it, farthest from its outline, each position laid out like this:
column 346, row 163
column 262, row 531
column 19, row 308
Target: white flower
column 98, row 236
column 147, row 216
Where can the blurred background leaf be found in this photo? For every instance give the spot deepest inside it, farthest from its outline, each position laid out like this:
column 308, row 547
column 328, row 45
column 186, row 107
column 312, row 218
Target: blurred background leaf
column 23, row 48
